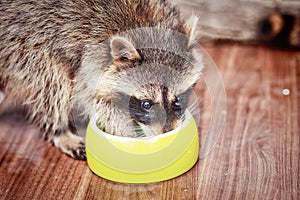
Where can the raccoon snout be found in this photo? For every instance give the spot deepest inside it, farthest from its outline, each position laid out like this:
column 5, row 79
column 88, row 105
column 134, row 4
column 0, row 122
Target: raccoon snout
column 170, row 126
column 158, row 115
column 159, row 120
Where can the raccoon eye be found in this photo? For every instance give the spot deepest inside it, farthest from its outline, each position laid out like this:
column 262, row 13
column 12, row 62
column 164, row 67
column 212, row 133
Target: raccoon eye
column 178, row 102
column 147, row 104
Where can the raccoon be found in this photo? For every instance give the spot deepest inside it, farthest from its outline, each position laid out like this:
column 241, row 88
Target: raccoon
column 133, row 63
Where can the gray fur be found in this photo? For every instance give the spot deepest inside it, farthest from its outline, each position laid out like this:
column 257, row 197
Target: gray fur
column 57, row 55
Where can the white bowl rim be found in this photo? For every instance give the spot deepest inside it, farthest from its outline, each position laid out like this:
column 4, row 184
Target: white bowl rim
column 182, row 125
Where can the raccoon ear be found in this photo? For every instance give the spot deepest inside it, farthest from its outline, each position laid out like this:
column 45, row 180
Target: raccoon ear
column 122, row 50
column 191, row 29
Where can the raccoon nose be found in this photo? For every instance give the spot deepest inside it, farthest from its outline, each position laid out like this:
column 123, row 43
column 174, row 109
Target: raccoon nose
column 160, row 115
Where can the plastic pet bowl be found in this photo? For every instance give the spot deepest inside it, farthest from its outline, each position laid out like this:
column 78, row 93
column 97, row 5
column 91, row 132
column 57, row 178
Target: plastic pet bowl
column 145, row 159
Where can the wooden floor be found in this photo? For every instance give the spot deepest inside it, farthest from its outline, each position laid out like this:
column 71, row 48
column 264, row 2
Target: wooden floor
column 256, row 155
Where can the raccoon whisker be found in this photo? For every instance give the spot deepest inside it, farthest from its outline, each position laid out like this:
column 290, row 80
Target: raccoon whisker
column 138, row 130
column 193, row 106
column 194, row 109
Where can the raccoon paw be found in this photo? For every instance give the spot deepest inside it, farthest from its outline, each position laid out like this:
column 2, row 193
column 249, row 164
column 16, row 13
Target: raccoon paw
column 72, row 145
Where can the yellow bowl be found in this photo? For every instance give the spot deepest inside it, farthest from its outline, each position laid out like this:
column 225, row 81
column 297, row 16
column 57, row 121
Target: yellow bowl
column 142, row 160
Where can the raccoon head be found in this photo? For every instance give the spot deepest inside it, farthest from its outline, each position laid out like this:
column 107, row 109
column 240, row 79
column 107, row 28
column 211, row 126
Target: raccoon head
column 157, row 109
column 151, row 76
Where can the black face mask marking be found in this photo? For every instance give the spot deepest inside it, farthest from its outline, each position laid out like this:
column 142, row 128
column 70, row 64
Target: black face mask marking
column 140, row 110
column 166, row 112
column 180, row 103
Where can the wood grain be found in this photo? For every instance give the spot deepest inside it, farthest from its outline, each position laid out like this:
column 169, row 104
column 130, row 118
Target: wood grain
column 255, row 157
column 234, row 19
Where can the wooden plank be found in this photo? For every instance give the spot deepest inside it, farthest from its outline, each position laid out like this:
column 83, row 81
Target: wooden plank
column 259, row 123
column 256, row 156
